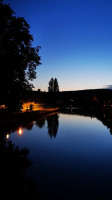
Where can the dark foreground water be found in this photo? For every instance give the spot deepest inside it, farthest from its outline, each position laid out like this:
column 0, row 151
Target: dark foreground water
column 56, row 157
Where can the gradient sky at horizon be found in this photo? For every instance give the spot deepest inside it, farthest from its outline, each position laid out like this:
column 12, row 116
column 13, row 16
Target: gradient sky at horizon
column 75, row 38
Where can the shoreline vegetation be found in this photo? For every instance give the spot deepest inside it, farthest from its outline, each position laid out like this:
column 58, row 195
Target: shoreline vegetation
column 8, row 119
column 96, row 103
column 93, row 103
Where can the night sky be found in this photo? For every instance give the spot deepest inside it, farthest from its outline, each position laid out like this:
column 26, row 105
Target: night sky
column 75, row 38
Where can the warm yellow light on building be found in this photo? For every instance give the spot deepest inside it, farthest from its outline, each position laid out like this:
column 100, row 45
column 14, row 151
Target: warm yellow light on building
column 31, row 106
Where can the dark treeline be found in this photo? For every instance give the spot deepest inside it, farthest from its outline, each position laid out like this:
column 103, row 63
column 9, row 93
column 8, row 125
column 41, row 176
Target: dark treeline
column 80, row 98
column 86, row 98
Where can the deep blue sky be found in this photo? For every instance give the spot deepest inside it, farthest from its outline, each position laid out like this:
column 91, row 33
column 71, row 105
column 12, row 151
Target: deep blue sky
column 75, row 38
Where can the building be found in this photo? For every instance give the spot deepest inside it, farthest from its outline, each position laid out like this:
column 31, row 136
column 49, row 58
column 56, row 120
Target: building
column 31, row 106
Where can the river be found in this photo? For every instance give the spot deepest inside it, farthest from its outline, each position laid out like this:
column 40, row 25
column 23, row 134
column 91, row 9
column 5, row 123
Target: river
column 58, row 156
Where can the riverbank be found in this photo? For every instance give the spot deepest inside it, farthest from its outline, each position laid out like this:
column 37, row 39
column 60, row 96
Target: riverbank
column 7, row 118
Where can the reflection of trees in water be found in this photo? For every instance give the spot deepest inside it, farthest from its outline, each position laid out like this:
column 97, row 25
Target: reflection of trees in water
column 40, row 122
column 10, row 128
column 28, row 126
column 52, row 124
column 106, row 119
column 105, row 116
column 13, row 163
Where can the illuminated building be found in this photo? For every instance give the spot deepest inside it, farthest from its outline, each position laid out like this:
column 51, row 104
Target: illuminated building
column 31, row 106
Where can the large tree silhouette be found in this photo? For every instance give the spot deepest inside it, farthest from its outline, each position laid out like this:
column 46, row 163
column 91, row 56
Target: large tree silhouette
column 18, row 58
column 53, row 85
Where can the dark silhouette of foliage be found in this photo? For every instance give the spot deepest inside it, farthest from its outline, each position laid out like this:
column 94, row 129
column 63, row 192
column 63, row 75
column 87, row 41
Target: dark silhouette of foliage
column 17, row 57
column 53, row 85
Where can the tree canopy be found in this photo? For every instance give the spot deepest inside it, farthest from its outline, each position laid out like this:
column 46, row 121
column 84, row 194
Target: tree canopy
column 18, row 58
column 53, row 85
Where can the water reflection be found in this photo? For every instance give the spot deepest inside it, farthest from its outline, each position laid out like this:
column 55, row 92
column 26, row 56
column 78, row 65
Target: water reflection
column 20, row 131
column 15, row 161
column 105, row 116
column 28, row 125
column 76, row 165
column 13, row 164
column 53, row 121
column 40, row 122
column 52, row 125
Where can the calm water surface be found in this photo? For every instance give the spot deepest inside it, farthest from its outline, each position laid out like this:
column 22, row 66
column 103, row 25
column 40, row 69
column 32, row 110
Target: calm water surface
column 70, row 155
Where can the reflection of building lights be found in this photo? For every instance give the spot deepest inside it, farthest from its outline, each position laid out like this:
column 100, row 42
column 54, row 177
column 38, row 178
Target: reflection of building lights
column 20, row 131
column 7, row 136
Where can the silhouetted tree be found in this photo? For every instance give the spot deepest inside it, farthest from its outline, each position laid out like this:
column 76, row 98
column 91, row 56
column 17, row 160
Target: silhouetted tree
column 53, row 85
column 56, row 86
column 18, row 59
